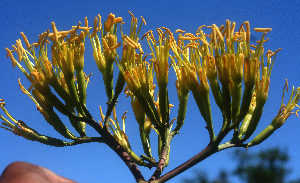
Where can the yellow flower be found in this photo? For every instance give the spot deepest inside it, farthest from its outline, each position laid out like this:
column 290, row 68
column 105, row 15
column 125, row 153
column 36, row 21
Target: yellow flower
column 111, row 20
column 286, row 110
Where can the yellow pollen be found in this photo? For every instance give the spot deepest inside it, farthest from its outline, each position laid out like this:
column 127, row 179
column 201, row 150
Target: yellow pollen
column 172, row 121
column 264, row 40
column 143, row 20
column 189, row 38
column 130, row 42
column 180, row 31
column 83, row 28
column 123, row 117
column 247, row 31
column 198, row 30
column 269, row 52
column 99, row 25
column 131, row 14
column 167, row 30
column 86, row 22
column 81, row 36
column 101, row 113
column 112, row 121
column 146, row 34
column 109, row 22
column 54, row 31
column 115, row 46
column 22, row 87
column 218, row 32
column 118, row 20
column 275, row 52
column 263, row 29
column 26, row 41
column 105, row 44
column 95, row 29
column 11, row 57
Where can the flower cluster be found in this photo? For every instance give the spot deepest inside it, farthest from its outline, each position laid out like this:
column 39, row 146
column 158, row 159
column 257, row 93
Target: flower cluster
column 222, row 63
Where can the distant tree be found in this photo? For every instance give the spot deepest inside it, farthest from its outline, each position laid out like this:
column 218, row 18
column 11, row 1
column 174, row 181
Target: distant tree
column 223, row 177
column 295, row 181
column 267, row 166
column 201, row 177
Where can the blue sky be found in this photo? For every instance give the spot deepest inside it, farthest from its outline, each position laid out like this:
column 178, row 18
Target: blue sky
column 96, row 162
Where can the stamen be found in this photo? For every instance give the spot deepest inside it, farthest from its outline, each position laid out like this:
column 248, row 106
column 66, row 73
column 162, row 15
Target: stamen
column 264, row 40
column 95, row 27
column 101, row 113
column 115, row 46
column 287, row 85
column 198, row 30
column 26, row 41
column 143, row 20
column 146, row 34
column 83, row 28
column 22, row 87
column 80, row 38
column 247, row 31
column 41, row 38
column 180, row 31
column 99, row 25
column 11, row 57
column 131, row 14
column 218, row 32
column 263, row 29
column 130, row 42
column 123, row 117
column 275, row 52
column 54, row 31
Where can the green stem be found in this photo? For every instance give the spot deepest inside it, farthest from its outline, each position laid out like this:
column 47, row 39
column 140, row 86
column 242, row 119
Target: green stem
column 181, row 112
column 164, row 105
column 227, row 104
column 208, row 151
column 109, row 78
column 236, row 99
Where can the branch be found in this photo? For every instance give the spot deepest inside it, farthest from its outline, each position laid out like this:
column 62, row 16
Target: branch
column 114, row 145
column 161, row 164
column 87, row 140
column 208, row 151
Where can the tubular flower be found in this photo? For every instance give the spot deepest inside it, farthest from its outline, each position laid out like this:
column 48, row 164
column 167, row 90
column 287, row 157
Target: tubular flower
column 67, row 53
column 97, row 48
column 181, row 86
column 119, row 134
column 218, row 61
column 285, row 111
column 134, row 69
column 160, row 55
column 192, row 69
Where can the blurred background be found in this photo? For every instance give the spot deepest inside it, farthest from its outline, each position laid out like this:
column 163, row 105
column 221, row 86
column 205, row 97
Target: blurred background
column 96, row 162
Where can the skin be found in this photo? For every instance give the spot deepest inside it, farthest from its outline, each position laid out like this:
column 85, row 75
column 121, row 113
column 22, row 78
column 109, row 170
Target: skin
column 22, row 172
